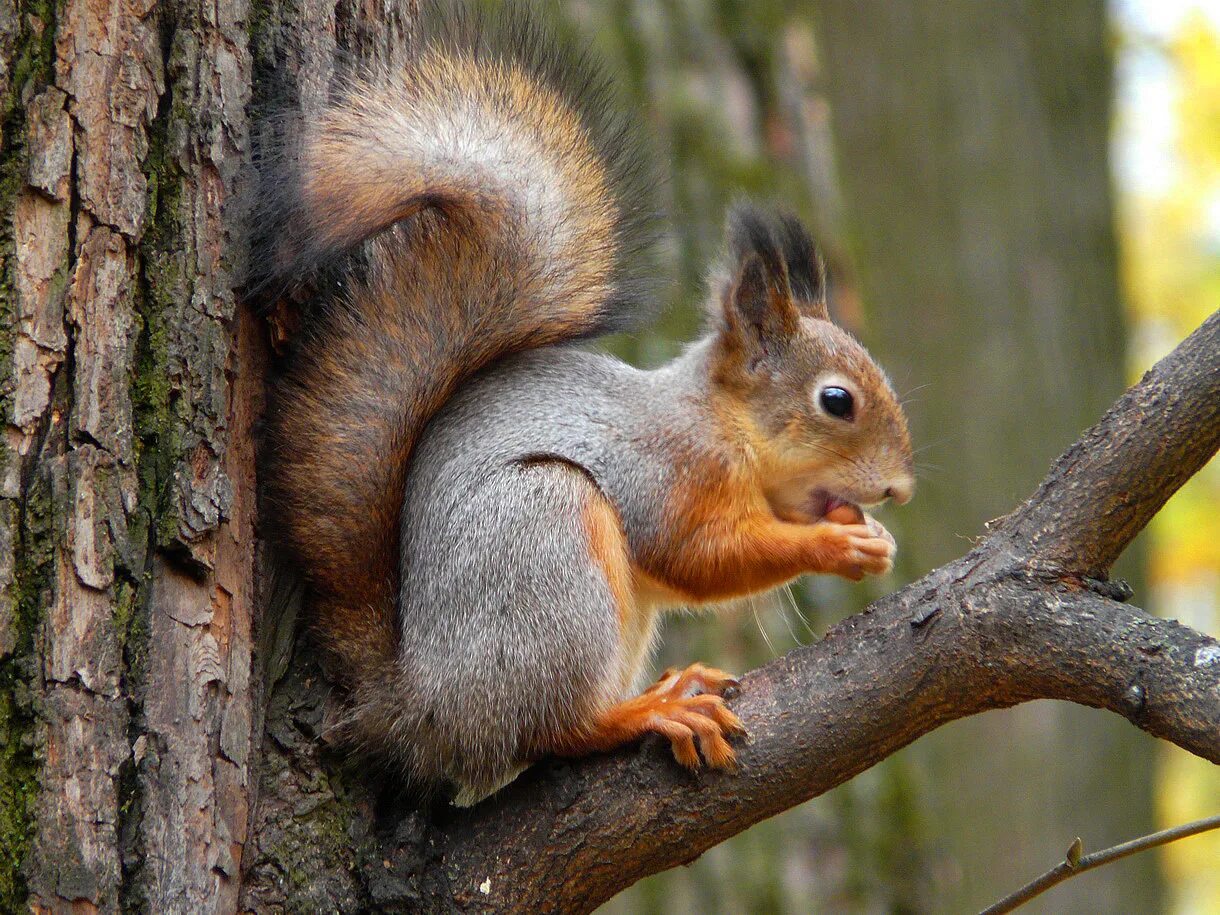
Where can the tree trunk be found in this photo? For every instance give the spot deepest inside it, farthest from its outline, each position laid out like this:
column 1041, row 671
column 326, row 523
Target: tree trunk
column 130, row 707
column 973, row 151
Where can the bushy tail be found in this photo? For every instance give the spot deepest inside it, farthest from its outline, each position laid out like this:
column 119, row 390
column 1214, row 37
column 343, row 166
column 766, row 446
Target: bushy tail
column 494, row 199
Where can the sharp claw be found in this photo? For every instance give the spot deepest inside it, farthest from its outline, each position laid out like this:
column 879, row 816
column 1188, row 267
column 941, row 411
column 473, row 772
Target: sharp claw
column 703, row 713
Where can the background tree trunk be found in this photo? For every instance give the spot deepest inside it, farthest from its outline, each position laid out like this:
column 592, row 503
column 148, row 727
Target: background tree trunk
column 972, row 146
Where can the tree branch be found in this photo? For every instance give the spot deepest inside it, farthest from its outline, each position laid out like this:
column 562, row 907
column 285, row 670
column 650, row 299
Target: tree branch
column 822, row 714
column 1074, row 863
column 1014, row 620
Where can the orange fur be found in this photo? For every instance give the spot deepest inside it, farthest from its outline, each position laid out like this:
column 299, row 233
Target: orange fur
column 350, row 183
column 608, row 549
column 724, row 540
column 636, row 612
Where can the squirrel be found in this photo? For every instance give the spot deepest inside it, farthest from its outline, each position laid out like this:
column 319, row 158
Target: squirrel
column 490, row 518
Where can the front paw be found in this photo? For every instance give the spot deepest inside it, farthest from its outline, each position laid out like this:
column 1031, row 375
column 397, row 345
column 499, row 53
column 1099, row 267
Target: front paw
column 878, row 530
column 853, row 550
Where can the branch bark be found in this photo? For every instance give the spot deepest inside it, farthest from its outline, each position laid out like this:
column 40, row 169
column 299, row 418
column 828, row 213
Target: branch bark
column 1025, row 615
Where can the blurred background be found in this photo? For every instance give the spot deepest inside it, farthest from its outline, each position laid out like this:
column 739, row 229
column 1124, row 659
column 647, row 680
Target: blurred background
column 1020, row 206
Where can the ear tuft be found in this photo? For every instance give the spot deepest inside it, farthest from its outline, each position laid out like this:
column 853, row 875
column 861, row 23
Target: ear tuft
column 806, row 271
column 759, row 316
column 753, row 292
column 749, row 232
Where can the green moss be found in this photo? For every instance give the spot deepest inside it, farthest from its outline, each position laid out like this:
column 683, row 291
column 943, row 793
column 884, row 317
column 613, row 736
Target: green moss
column 33, row 56
column 311, row 842
column 153, row 397
column 18, row 791
column 154, row 394
column 18, row 761
column 319, row 836
column 257, row 20
column 131, row 625
column 156, row 414
column 30, row 521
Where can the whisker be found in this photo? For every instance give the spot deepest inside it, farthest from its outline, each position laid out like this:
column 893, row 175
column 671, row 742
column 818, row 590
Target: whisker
column 796, row 607
column 934, row 444
column 783, row 612
column 762, row 631
column 855, row 462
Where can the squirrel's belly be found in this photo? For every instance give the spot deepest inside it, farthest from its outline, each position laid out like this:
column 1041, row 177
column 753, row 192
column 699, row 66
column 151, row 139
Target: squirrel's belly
column 654, row 594
column 639, row 637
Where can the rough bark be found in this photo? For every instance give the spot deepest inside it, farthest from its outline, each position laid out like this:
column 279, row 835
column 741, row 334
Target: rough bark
column 128, row 465
column 160, row 745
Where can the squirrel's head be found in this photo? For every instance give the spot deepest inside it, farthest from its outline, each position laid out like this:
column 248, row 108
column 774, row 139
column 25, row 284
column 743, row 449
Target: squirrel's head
column 820, row 414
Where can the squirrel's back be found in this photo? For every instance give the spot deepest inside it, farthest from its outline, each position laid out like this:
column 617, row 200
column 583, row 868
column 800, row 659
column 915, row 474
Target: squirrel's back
column 483, row 200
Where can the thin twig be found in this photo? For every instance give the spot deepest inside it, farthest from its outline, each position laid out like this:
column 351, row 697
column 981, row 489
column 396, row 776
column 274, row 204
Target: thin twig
column 1074, row 863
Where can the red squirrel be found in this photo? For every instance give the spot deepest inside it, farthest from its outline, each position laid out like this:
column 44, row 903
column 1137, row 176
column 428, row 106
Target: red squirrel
column 489, row 517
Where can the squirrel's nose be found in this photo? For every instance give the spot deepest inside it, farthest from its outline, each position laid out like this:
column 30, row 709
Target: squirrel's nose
column 900, row 490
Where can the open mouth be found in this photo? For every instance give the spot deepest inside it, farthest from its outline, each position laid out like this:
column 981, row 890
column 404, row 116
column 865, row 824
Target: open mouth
column 822, row 503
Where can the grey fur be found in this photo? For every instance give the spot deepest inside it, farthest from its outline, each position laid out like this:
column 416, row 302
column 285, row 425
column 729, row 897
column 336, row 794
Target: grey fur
column 509, row 632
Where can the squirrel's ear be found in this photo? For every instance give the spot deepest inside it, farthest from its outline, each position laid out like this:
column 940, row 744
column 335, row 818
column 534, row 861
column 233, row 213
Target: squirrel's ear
column 758, row 312
column 806, row 271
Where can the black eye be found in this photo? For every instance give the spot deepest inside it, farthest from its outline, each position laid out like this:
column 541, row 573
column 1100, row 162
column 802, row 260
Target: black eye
column 837, row 402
